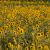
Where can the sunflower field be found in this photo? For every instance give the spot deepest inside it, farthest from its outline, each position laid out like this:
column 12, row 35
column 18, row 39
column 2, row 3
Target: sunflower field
column 24, row 24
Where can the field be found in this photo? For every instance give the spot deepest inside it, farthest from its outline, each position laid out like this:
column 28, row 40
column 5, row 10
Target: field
column 24, row 25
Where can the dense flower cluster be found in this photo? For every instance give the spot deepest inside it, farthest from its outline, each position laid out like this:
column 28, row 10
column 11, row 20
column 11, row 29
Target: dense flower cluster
column 25, row 27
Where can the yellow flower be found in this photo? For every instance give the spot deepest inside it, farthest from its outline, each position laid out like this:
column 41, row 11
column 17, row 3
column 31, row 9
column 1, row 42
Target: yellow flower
column 37, row 25
column 14, row 39
column 19, row 47
column 40, row 35
column 9, row 44
column 15, row 32
column 13, row 15
column 1, row 32
column 40, row 47
column 46, row 47
column 12, row 46
column 33, row 27
column 21, row 30
column 26, row 48
column 5, row 27
column 32, row 47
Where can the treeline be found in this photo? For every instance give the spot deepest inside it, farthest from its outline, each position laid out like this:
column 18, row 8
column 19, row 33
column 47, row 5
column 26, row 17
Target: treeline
column 28, row 0
column 33, row 0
